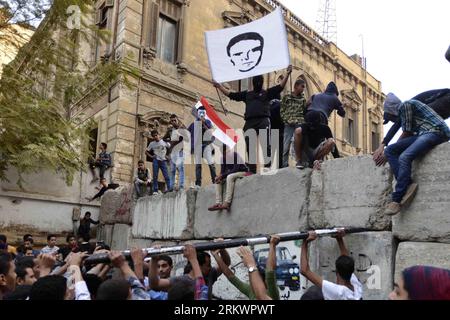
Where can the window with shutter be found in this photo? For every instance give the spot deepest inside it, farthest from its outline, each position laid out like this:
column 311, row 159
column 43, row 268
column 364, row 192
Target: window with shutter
column 164, row 25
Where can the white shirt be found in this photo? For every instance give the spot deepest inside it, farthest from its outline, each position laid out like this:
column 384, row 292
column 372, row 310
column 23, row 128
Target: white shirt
column 159, row 148
column 81, row 291
column 333, row 291
column 49, row 250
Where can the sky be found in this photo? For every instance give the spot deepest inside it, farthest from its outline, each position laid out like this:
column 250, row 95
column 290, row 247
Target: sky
column 404, row 40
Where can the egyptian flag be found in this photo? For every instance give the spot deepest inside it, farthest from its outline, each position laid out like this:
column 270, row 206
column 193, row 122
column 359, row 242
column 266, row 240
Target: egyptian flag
column 222, row 131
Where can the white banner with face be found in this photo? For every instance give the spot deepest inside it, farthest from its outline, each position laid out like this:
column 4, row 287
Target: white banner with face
column 248, row 50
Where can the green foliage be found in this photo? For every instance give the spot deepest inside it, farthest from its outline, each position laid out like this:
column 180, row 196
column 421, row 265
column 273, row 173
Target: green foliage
column 38, row 88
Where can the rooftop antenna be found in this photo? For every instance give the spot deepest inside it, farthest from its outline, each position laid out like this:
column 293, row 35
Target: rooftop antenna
column 326, row 20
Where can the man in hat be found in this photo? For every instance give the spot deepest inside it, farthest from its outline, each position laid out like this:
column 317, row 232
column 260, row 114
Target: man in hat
column 423, row 129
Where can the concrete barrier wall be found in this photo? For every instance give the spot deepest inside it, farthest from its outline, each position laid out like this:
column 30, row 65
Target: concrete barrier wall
column 349, row 192
column 428, row 217
column 262, row 204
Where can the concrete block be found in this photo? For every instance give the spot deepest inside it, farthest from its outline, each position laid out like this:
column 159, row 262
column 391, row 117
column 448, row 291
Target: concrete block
column 373, row 255
column 168, row 216
column 105, row 233
column 428, row 218
column 121, row 237
column 411, row 254
column 262, row 204
column 117, row 206
column 350, row 192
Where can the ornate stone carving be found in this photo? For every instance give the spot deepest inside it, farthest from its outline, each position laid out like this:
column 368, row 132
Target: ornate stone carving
column 351, row 99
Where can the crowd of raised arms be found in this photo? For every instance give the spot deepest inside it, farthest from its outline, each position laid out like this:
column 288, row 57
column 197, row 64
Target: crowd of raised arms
column 58, row 273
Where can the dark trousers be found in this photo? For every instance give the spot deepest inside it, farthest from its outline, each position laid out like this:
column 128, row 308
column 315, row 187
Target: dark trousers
column 158, row 164
column 257, row 124
column 198, row 174
column 401, row 155
column 97, row 164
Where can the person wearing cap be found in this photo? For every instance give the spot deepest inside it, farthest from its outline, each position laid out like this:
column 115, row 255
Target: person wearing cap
column 423, row 129
column 438, row 100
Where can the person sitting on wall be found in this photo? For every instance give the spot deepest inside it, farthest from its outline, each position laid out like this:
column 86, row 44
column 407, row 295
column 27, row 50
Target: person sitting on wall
column 313, row 141
column 347, row 286
column 232, row 168
column 103, row 162
column 423, row 129
column 105, row 187
column 142, row 179
column 257, row 111
column 438, row 100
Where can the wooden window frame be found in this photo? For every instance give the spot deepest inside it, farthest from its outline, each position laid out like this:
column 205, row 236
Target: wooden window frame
column 152, row 13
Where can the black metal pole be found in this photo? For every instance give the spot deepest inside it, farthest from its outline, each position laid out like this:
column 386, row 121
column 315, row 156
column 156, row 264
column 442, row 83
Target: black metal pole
column 232, row 243
column 225, row 111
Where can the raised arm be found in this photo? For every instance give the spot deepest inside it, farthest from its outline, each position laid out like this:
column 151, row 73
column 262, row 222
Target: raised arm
column 340, row 240
column 304, row 257
column 222, row 253
column 271, row 267
column 81, row 289
column 224, row 90
column 137, row 289
column 285, row 79
column 255, row 279
column 272, row 258
column 222, row 266
column 137, row 256
column 201, row 289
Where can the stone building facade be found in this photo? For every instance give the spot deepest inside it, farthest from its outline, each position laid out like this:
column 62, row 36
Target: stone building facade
column 13, row 38
column 165, row 40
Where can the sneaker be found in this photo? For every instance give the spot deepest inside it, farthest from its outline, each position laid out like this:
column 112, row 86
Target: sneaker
column 155, row 193
column 225, row 206
column 409, row 195
column 215, row 207
column 300, row 165
column 392, row 209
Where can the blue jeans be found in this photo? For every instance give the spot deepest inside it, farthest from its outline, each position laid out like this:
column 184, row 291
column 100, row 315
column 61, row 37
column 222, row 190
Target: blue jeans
column 177, row 163
column 401, row 155
column 287, row 139
column 158, row 164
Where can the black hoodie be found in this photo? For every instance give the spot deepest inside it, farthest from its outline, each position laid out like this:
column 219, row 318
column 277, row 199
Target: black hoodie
column 328, row 101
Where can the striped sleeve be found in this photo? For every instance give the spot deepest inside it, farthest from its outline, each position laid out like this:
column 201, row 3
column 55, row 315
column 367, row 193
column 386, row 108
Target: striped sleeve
column 406, row 116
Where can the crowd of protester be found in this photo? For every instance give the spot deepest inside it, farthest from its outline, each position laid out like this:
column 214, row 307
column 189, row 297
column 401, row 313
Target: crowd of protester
column 60, row 273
